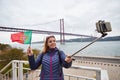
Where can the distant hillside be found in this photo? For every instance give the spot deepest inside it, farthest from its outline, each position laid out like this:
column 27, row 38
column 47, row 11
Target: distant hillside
column 113, row 38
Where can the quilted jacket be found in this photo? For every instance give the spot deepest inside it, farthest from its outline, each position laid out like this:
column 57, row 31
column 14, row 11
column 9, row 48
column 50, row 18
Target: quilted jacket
column 52, row 64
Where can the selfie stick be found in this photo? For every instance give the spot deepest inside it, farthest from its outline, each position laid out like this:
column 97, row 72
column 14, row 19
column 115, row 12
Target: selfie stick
column 102, row 27
column 103, row 35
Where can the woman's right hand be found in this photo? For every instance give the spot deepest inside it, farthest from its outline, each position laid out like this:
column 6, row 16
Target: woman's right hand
column 29, row 51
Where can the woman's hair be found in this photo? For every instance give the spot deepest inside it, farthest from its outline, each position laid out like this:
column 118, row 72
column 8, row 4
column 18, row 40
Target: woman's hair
column 46, row 47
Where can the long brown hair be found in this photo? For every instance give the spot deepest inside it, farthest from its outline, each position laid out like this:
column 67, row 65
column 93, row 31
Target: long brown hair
column 45, row 48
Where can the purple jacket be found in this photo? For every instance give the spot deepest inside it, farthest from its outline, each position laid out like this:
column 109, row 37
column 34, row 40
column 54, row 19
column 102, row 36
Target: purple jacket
column 52, row 64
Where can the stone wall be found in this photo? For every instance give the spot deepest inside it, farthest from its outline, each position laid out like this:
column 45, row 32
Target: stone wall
column 112, row 65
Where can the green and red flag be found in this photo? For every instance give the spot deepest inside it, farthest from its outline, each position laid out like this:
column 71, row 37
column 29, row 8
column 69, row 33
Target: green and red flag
column 22, row 37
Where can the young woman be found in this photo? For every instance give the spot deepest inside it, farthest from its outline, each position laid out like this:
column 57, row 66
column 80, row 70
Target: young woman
column 52, row 60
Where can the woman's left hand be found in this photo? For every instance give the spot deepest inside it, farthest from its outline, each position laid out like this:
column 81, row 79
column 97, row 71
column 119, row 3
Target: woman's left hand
column 68, row 59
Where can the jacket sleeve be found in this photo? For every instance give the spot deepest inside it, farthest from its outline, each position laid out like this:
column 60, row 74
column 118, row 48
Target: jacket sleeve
column 64, row 63
column 34, row 63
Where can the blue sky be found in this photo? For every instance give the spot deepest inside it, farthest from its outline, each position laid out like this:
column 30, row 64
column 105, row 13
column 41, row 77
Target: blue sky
column 80, row 16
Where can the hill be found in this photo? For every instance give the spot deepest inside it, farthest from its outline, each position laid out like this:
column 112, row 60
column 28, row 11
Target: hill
column 112, row 38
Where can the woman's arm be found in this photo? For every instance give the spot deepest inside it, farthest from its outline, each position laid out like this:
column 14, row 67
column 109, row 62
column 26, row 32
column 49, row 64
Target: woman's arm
column 34, row 64
column 66, row 61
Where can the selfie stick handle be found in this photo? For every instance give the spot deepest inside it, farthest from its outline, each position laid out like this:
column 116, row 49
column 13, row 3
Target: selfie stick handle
column 103, row 34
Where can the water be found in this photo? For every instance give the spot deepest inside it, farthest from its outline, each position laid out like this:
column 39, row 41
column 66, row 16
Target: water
column 96, row 49
column 105, row 48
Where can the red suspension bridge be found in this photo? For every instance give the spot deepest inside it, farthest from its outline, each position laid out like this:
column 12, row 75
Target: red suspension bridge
column 61, row 33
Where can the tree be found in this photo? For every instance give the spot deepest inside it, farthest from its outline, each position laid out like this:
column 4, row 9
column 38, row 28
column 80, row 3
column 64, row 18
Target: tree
column 4, row 47
column 36, row 52
column 13, row 54
column 9, row 54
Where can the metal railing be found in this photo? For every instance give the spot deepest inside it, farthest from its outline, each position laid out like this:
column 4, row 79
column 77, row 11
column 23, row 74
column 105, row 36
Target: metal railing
column 17, row 72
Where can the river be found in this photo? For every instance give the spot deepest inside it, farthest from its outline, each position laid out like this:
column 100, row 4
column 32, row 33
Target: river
column 103, row 48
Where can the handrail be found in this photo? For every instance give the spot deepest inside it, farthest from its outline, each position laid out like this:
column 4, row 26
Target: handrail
column 81, row 77
column 18, row 65
column 86, row 68
column 11, row 63
column 5, row 67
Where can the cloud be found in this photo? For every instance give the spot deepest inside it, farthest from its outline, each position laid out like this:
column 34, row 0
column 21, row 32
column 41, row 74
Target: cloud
column 80, row 16
column 85, row 13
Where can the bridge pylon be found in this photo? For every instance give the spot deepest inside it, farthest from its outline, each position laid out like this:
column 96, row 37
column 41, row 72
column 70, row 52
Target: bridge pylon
column 62, row 35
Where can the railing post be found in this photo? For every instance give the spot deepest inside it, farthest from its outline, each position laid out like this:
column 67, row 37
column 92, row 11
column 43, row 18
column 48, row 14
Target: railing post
column 2, row 77
column 14, row 70
column 98, row 75
column 69, row 77
column 8, row 76
column 20, row 71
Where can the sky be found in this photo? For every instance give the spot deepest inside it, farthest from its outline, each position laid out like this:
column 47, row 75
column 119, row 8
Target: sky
column 80, row 16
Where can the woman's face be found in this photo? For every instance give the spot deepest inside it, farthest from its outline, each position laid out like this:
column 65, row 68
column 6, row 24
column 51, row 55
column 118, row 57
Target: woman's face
column 51, row 42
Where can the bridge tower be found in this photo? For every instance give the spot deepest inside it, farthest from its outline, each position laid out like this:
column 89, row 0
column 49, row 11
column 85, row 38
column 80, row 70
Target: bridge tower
column 62, row 35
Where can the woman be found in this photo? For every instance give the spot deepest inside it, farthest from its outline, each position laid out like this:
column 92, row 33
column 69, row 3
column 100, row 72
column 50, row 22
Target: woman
column 52, row 60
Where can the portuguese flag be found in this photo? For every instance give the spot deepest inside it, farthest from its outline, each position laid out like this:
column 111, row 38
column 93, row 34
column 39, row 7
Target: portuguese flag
column 22, row 37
